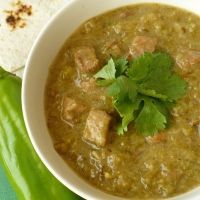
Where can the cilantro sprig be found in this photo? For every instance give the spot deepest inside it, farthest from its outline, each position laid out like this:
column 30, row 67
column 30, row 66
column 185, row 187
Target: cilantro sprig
column 143, row 90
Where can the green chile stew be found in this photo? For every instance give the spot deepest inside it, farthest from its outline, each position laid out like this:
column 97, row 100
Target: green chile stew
column 82, row 119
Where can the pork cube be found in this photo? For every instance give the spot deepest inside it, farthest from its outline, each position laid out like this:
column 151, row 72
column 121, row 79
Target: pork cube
column 97, row 127
column 71, row 109
column 85, row 59
column 142, row 44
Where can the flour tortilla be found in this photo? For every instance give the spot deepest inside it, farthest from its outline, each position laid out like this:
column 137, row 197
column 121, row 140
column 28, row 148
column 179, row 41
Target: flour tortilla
column 15, row 45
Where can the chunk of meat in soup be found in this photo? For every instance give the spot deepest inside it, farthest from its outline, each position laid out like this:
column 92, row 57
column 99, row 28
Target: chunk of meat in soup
column 71, row 110
column 97, row 128
column 142, row 44
column 187, row 59
column 85, row 59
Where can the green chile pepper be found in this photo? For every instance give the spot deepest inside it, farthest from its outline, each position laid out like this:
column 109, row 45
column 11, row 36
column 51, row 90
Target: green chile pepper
column 27, row 174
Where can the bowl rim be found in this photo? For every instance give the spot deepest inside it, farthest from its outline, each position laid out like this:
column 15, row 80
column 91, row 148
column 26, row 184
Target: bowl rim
column 30, row 132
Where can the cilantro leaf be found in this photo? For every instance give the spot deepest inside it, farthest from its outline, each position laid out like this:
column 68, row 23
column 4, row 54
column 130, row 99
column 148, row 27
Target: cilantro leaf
column 150, row 120
column 113, row 69
column 164, row 107
column 160, row 60
column 106, row 74
column 161, row 80
column 167, row 84
column 143, row 90
column 123, row 87
column 151, row 93
column 126, row 111
column 139, row 67
column 121, row 66
column 147, row 63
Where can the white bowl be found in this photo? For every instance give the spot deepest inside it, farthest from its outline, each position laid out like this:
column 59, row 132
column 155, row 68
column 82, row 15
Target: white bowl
column 41, row 56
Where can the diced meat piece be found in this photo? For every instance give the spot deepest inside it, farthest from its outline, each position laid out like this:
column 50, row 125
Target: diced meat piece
column 158, row 138
column 71, row 109
column 187, row 59
column 85, row 59
column 97, row 127
column 142, row 44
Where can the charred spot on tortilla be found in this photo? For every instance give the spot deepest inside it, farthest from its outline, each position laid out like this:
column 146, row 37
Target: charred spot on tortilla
column 16, row 18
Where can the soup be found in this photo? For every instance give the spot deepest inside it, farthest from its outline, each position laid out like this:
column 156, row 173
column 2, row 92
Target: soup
column 82, row 120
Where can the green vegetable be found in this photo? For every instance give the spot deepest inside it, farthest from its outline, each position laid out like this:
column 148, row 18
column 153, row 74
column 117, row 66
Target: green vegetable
column 25, row 171
column 107, row 74
column 143, row 90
